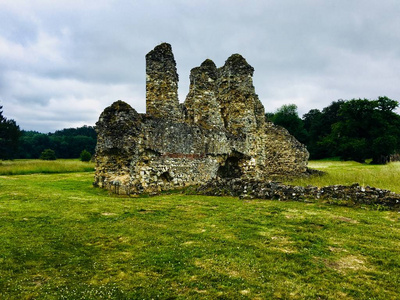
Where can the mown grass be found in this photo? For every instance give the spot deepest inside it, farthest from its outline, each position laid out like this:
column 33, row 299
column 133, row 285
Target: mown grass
column 349, row 172
column 61, row 238
column 32, row 166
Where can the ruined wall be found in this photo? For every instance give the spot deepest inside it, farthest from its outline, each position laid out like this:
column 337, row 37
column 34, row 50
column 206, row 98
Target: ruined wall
column 350, row 195
column 218, row 132
column 162, row 83
column 147, row 154
column 241, row 109
column 201, row 103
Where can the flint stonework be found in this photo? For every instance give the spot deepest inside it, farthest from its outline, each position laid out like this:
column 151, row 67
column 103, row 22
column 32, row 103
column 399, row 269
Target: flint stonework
column 219, row 132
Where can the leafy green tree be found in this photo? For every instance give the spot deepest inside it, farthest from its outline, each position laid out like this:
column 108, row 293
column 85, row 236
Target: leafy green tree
column 70, row 142
column 9, row 136
column 313, row 122
column 32, row 144
column 287, row 117
column 269, row 116
column 366, row 129
column 319, row 127
column 48, row 154
column 67, row 143
column 85, row 155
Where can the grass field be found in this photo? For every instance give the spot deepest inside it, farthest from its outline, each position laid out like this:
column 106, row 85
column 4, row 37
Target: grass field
column 61, row 238
column 33, row 166
column 349, row 172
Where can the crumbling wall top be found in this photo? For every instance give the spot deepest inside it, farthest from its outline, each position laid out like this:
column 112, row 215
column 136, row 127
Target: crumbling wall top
column 208, row 68
column 236, row 65
column 241, row 109
column 201, row 102
column 160, row 61
column 162, row 84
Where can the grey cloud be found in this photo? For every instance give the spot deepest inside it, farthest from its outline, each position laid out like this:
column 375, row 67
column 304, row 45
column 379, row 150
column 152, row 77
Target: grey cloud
column 309, row 53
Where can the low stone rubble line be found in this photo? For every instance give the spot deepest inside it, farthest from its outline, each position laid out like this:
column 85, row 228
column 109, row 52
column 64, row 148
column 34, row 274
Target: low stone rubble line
column 278, row 191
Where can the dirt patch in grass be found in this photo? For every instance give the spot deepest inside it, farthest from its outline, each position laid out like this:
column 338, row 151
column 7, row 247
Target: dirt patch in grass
column 336, row 249
column 282, row 244
column 108, row 214
column 348, row 263
column 189, row 243
column 347, row 220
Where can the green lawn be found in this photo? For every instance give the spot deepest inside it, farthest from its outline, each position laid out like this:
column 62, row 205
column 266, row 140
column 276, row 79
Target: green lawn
column 33, row 166
column 61, row 238
column 349, row 172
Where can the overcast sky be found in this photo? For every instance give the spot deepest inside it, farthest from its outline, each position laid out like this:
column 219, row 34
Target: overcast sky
column 63, row 62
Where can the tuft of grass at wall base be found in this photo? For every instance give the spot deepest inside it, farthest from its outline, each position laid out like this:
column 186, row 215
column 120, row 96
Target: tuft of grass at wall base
column 61, row 238
column 33, row 166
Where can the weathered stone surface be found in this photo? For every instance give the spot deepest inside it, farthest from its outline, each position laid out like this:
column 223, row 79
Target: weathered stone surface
column 219, row 132
column 284, row 154
column 201, row 102
column 162, row 84
column 241, row 109
column 117, row 148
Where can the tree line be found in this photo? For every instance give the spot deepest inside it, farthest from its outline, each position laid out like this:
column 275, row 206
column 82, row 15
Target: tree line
column 357, row 129
column 9, row 136
column 66, row 143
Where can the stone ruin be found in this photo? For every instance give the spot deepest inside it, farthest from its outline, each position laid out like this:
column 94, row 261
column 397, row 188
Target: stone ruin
column 346, row 195
column 219, row 132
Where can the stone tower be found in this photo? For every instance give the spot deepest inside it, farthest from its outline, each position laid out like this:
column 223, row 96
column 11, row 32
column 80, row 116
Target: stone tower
column 241, row 109
column 201, row 102
column 162, row 84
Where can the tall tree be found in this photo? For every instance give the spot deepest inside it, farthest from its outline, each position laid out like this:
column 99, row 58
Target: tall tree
column 287, row 117
column 319, row 127
column 366, row 129
column 9, row 135
column 313, row 124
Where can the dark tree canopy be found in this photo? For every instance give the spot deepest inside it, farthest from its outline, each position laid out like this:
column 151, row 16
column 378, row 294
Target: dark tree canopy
column 9, row 137
column 287, row 117
column 67, row 143
column 318, row 125
column 356, row 129
column 366, row 129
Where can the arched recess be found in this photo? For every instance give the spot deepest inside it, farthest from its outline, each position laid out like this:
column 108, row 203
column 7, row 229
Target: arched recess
column 230, row 168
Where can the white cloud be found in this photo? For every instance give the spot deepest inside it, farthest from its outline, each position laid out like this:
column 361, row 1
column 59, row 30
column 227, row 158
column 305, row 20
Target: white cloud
column 45, row 50
column 64, row 102
column 92, row 53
